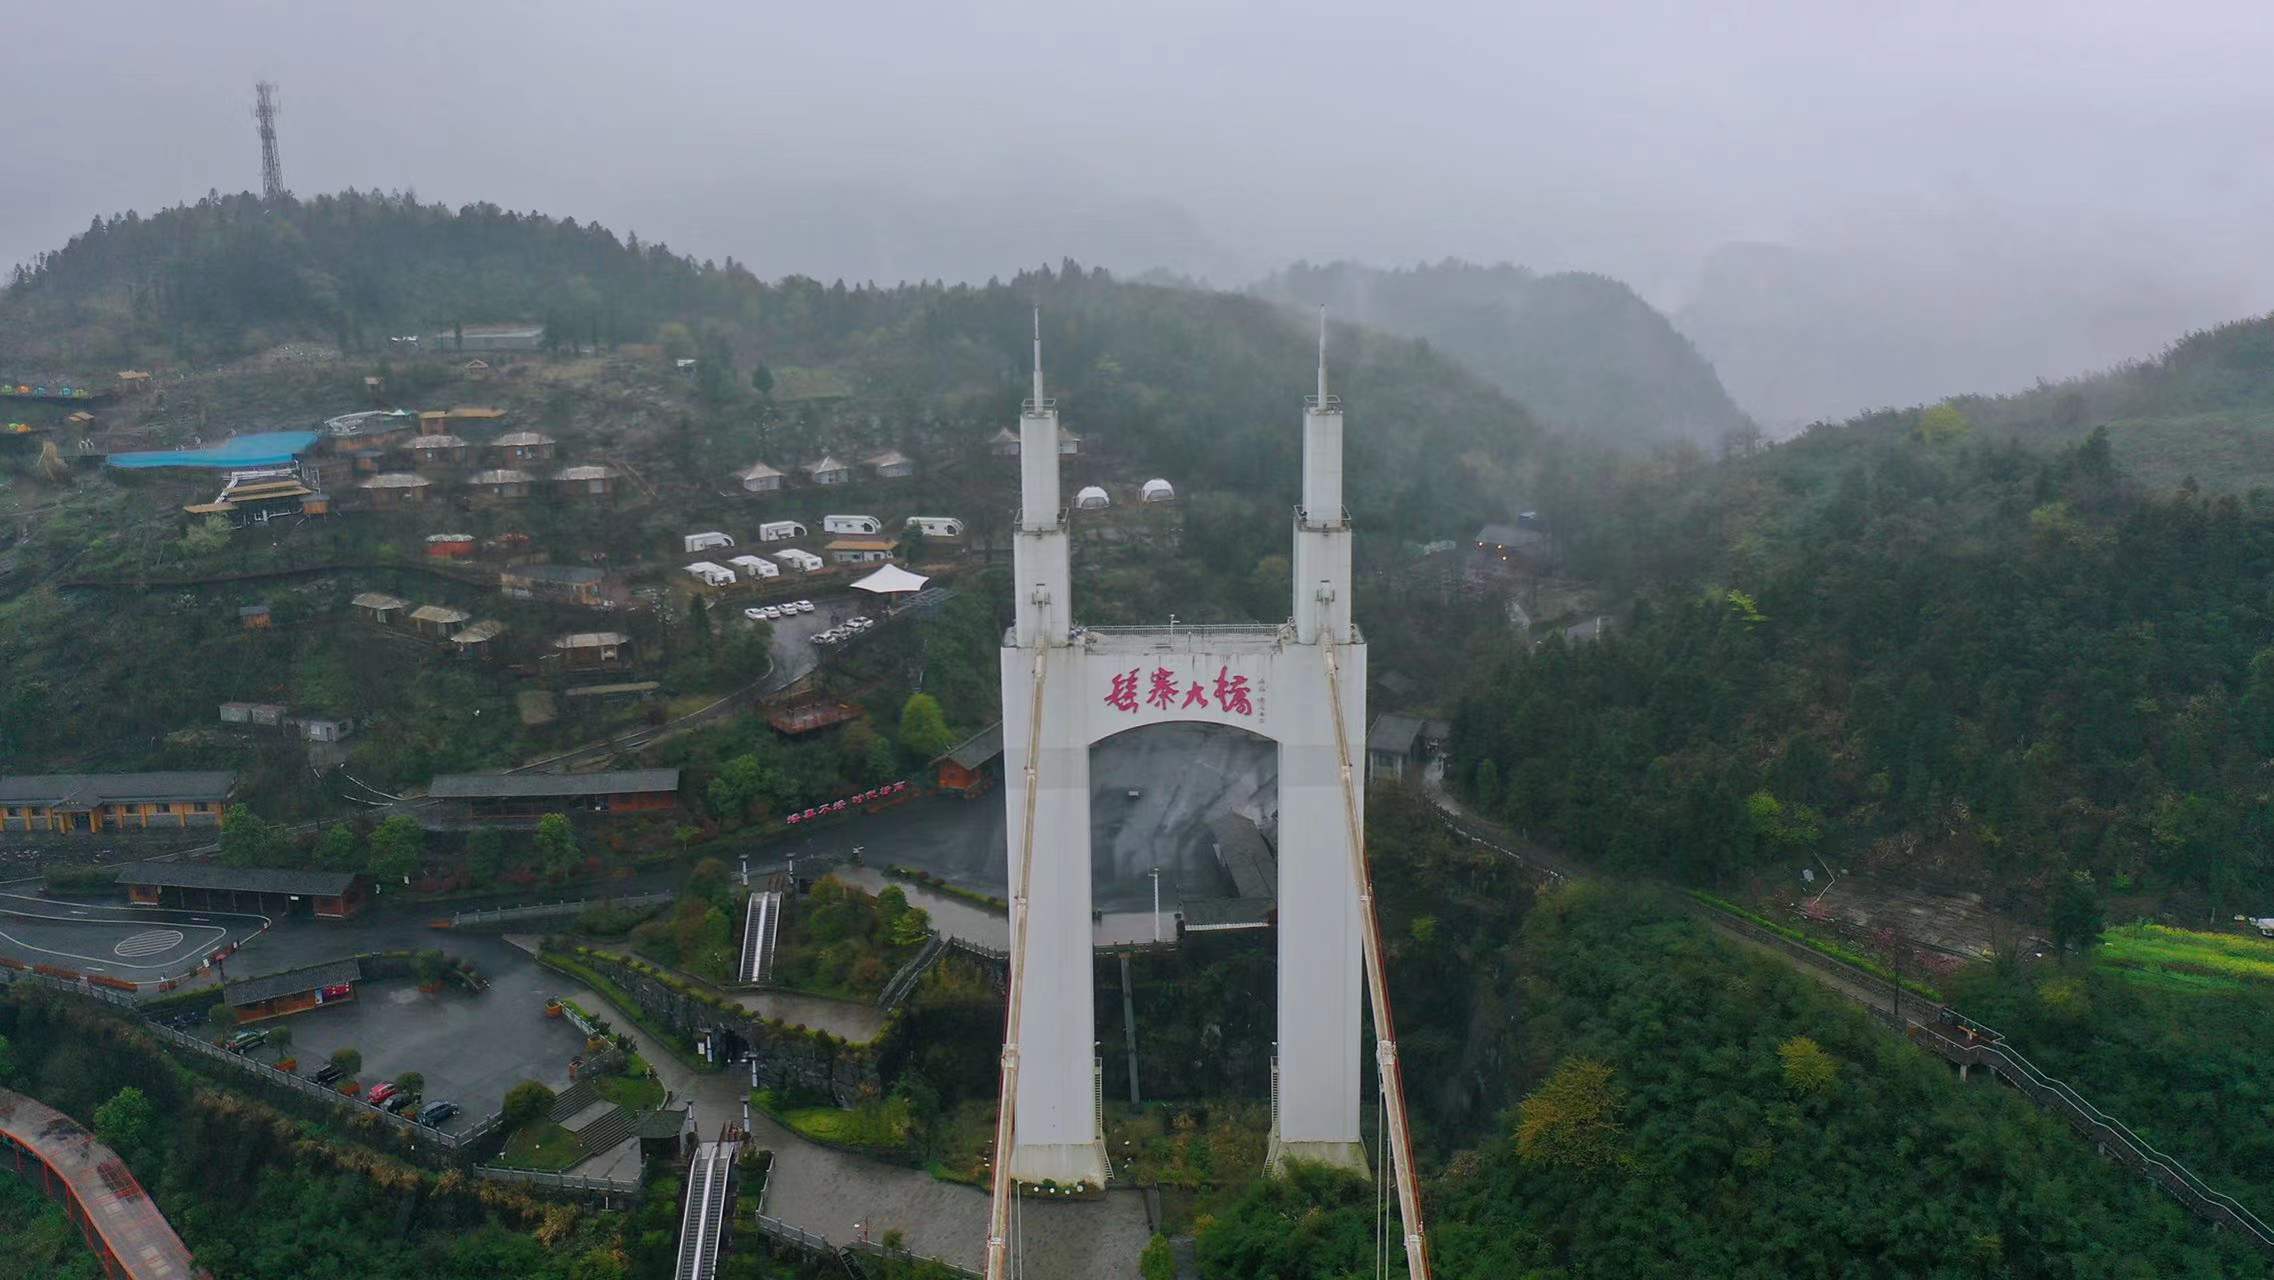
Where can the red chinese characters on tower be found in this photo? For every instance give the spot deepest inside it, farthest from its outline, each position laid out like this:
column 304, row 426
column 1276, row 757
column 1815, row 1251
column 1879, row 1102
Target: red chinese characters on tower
column 1232, row 693
column 1161, row 689
column 1123, row 695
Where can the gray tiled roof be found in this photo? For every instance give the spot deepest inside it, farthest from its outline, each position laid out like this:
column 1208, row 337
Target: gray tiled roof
column 1394, row 733
column 87, row 789
column 290, row 982
column 502, row 786
column 205, row 875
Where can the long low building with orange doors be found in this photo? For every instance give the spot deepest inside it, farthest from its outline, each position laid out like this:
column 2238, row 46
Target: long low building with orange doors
column 276, row 891
column 90, row 803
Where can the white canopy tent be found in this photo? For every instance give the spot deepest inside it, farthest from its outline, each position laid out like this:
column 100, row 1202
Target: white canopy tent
column 892, row 580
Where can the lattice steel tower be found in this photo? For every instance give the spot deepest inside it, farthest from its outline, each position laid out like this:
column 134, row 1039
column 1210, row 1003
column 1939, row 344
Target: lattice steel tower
column 272, row 169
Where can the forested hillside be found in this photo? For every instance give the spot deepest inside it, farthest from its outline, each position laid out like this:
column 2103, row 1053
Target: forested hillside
column 1688, row 1108
column 1902, row 648
column 2202, row 409
column 1582, row 352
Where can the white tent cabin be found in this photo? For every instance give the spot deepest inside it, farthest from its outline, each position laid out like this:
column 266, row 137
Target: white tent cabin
column 936, row 526
column 1092, row 498
column 711, row 575
column 1157, row 490
column 780, row 531
column 851, row 524
column 756, row 567
column 802, row 561
column 705, row 541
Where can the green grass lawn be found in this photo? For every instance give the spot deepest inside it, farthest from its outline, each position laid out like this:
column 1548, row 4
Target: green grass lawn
column 635, row 1092
column 878, row 1126
column 2160, row 955
column 542, row 1146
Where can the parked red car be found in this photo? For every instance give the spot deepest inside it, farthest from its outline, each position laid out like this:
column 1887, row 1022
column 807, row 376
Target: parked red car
column 382, row 1091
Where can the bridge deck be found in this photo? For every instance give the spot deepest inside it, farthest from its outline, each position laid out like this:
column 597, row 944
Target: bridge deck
column 109, row 1204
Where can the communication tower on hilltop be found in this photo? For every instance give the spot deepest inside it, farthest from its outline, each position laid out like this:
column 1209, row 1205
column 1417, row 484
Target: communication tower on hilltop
column 272, row 168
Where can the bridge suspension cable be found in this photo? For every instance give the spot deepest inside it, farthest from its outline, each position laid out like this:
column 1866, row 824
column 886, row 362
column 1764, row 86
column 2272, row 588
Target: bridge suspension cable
column 999, row 1224
column 1397, row 1135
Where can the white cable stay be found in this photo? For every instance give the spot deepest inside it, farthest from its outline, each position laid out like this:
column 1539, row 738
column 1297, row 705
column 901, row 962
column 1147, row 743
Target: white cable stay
column 1397, row 1135
column 1004, row 1192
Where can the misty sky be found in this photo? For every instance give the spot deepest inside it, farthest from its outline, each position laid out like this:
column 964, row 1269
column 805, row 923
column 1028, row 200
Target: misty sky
column 1995, row 150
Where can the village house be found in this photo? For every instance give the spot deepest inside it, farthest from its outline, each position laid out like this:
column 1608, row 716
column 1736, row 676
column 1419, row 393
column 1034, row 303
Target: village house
column 433, row 421
column 474, row 796
column 971, row 766
column 435, row 452
column 265, row 714
column 502, row 485
column 593, row 650
column 478, row 640
column 375, row 606
column 255, row 617
column 829, row 471
column 1069, row 444
column 95, row 802
column 859, row 550
column 438, row 621
column 522, row 446
column 567, row 583
column 1004, row 443
column 202, row 886
column 396, row 489
column 480, row 415
column 891, row 464
column 759, row 478
column 588, row 481
column 274, row 995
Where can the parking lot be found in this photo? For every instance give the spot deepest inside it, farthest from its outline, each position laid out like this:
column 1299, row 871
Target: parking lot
column 107, row 937
column 471, row 1048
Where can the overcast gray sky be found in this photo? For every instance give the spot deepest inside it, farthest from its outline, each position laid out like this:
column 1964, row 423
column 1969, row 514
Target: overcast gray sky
column 2009, row 144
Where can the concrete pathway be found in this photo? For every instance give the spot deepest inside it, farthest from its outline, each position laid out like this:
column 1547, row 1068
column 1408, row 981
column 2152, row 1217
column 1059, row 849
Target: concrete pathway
column 955, row 918
column 846, row 1019
column 834, row 1194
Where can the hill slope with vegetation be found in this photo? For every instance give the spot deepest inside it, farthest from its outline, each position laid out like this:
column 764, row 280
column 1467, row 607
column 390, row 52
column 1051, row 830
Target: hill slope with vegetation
column 1581, row 351
column 1897, row 646
column 2204, row 409
column 1204, row 389
column 1672, row 1104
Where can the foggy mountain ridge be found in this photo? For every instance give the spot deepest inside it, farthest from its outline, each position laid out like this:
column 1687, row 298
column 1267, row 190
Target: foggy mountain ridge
column 1801, row 335
column 1583, row 351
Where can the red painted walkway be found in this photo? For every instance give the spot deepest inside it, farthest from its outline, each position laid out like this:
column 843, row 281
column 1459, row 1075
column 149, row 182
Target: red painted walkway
column 116, row 1215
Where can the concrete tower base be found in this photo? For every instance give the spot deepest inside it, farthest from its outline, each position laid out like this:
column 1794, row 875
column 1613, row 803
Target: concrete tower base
column 1341, row 1155
column 1065, row 1163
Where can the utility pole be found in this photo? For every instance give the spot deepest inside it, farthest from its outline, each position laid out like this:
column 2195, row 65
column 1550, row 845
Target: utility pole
column 272, row 168
column 1156, row 904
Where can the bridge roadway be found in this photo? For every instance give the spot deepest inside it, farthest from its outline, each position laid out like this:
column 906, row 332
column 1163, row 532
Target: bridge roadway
column 114, row 1213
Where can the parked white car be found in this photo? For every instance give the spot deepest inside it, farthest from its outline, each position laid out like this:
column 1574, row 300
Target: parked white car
column 754, row 613
column 802, row 606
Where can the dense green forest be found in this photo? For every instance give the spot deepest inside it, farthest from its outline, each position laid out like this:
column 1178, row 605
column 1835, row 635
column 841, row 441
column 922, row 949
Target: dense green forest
column 1581, row 351
column 1693, row 1109
column 1909, row 651
column 2187, row 1069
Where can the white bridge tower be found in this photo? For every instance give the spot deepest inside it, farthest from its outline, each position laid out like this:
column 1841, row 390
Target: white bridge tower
column 1066, row 688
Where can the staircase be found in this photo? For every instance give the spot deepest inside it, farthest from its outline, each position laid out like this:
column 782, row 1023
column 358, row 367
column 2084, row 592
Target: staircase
column 911, row 973
column 608, row 1130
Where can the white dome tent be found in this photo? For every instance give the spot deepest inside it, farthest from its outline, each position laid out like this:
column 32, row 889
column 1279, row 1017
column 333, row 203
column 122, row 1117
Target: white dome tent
column 1158, row 490
column 1092, row 498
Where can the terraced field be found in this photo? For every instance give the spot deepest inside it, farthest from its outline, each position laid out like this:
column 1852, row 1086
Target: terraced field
column 2159, row 955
